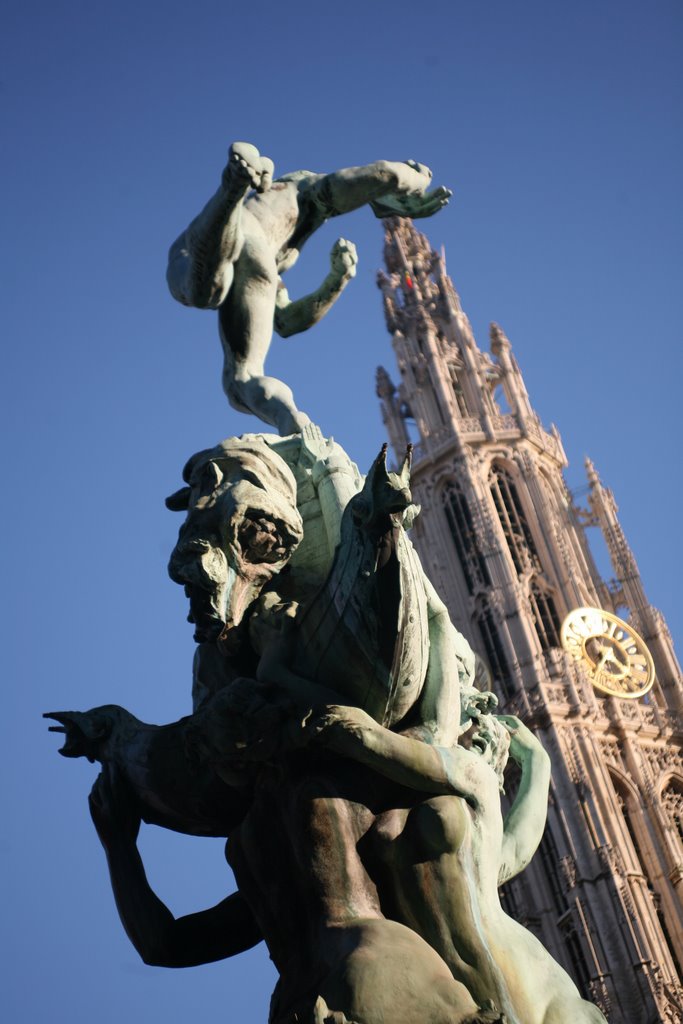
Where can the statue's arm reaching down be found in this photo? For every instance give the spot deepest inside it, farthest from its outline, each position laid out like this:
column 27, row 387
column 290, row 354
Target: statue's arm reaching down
column 525, row 821
column 160, row 939
column 293, row 317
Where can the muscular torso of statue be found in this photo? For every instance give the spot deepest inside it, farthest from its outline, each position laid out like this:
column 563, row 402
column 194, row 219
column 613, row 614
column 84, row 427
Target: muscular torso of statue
column 298, row 859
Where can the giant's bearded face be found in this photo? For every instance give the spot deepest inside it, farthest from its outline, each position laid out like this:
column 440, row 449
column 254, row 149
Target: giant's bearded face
column 241, row 529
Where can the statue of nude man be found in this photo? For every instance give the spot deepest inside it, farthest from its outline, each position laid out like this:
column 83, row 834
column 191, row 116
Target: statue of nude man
column 231, row 257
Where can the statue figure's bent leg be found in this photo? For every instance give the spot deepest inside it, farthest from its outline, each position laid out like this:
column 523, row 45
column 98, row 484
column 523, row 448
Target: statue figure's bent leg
column 201, row 260
column 246, row 330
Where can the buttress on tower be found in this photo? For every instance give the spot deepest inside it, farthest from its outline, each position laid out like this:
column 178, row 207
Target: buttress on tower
column 506, row 546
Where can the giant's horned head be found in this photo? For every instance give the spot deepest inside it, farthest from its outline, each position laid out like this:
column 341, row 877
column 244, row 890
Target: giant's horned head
column 242, row 527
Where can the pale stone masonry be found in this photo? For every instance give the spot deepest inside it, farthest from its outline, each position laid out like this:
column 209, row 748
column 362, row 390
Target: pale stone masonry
column 507, row 548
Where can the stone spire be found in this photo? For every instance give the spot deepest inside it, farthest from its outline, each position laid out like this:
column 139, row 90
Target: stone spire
column 392, row 414
column 629, row 589
column 450, row 390
column 604, row 514
column 508, row 550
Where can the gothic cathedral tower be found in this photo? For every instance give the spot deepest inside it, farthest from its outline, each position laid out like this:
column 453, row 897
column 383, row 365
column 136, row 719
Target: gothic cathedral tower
column 588, row 664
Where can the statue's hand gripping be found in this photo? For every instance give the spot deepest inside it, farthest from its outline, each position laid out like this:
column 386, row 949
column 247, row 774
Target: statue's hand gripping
column 523, row 743
column 343, row 259
column 411, row 198
column 345, row 730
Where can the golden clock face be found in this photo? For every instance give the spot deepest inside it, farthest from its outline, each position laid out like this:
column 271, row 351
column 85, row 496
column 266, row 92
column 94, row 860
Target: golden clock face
column 617, row 659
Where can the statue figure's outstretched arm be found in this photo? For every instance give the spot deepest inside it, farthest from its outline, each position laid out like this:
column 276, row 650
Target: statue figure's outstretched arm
column 160, row 939
column 390, row 188
column 352, row 733
column 171, row 787
column 525, row 821
column 295, row 317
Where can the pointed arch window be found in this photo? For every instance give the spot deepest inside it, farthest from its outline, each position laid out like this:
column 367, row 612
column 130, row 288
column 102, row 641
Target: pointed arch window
column 545, row 615
column 550, row 859
column 461, row 526
column 659, row 911
column 577, row 957
column 494, row 648
column 513, row 520
column 624, row 803
column 672, row 799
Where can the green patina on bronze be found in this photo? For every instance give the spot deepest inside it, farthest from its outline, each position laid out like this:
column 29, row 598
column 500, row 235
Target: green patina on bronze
column 337, row 739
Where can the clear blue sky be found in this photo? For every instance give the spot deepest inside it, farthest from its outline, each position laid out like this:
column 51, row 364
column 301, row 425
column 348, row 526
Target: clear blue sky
column 558, row 127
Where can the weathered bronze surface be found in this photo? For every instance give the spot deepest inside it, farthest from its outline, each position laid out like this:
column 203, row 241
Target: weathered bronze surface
column 337, row 739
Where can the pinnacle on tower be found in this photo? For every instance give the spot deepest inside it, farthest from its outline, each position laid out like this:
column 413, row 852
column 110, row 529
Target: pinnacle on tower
column 384, row 387
column 499, row 339
column 591, row 473
column 450, row 390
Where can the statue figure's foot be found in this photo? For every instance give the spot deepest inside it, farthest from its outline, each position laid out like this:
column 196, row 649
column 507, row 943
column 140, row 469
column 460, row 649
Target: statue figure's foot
column 292, row 421
column 246, row 169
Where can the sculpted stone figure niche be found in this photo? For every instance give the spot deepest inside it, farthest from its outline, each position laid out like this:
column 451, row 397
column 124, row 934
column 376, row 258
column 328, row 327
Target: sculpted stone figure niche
column 337, row 739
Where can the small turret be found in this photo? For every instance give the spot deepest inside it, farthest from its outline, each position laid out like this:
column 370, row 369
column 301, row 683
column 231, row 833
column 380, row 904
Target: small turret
column 390, row 405
column 647, row 619
column 511, row 379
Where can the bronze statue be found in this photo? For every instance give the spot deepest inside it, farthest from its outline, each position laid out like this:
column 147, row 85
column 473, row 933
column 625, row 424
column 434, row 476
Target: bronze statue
column 337, row 739
column 251, row 231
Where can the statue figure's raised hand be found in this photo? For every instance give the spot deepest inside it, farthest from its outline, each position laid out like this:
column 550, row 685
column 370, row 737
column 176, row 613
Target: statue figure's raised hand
column 343, row 259
column 523, row 743
column 341, row 728
column 474, row 703
column 412, row 205
column 412, row 198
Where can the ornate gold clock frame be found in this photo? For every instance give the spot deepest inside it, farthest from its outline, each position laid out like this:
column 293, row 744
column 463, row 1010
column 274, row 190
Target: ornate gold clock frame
column 616, row 657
